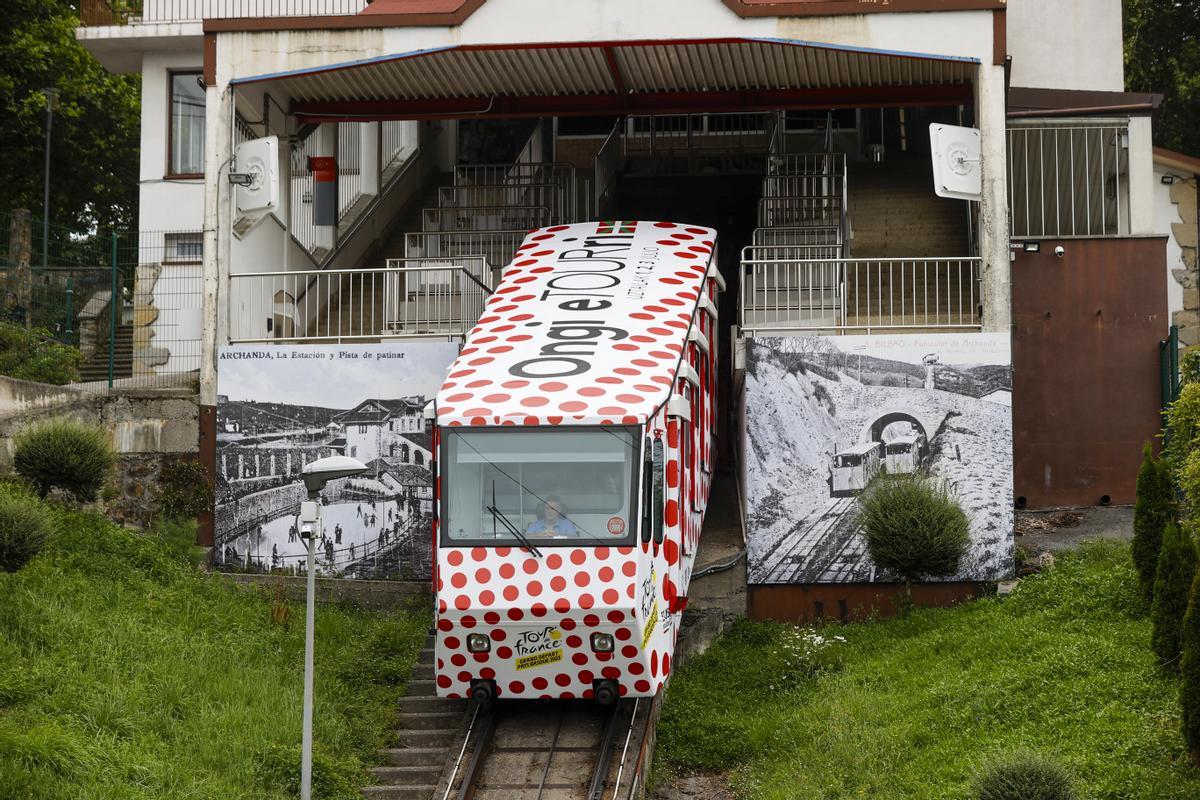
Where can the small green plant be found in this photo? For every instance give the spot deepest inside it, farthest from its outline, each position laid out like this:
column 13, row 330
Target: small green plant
column 35, row 356
column 184, row 488
column 1189, row 668
column 1154, row 508
column 913, row 527
column 1024, row 775
column 24, row 528
column 1189, row 366
column 178, row 537
column 64, row 454
column 1172, row 585
column 278, row 770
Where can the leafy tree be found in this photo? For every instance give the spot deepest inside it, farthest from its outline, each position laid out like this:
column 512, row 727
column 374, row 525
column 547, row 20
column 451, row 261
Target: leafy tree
column 1162, row 54
column 1154, row 508
column 1189, row 666
column 1176, row 571
column 1182, row 451
column 95, row 135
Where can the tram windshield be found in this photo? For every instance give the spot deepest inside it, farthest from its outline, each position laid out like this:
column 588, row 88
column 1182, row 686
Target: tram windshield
column 555, row 487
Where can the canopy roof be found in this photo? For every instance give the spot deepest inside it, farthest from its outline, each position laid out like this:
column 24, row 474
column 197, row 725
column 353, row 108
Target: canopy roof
column 595, row 78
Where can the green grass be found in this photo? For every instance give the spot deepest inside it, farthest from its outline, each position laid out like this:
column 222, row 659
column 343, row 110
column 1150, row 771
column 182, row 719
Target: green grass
column 914, row 708
column 126, row 673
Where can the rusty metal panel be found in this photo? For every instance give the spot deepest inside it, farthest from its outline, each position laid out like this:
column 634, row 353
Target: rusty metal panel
column 811, row 603
column 1086, row 397
column 208, row 462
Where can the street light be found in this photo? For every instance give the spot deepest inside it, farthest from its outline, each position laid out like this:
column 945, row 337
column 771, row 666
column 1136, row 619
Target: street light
column 315, row 476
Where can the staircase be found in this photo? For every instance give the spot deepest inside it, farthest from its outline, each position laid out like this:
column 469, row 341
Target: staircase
column 895, row 214
column 428, row 726
column 95, row 368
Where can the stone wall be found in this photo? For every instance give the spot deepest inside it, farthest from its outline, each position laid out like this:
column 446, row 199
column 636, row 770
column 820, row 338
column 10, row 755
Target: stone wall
column 147, row 428
column 1185, row 233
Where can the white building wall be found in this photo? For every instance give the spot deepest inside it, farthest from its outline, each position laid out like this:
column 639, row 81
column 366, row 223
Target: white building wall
column 165, row 204
column 1166, row 214
column 1066, row 44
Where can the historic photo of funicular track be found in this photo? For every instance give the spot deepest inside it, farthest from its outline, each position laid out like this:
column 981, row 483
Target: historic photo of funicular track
column 934, row 408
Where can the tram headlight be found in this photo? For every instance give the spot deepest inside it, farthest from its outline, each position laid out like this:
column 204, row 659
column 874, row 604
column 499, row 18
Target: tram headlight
column 478, row 643
column 602, row 643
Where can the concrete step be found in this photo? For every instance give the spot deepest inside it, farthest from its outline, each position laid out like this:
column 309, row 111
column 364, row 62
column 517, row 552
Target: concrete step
column 432, row 720
column 431, row 703
column 426, row 738
column 412, row 775
column 416, row 688
column 422, row 671
column 412, row 756
column 399, row 792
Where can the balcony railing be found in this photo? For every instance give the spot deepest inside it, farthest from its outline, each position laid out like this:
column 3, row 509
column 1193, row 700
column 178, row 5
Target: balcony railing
column 781, row 292
column 124, row 12
column 409, row 298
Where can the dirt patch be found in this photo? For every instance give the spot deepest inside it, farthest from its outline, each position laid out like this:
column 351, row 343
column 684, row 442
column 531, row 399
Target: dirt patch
column 695, row 787
column 1040, row 523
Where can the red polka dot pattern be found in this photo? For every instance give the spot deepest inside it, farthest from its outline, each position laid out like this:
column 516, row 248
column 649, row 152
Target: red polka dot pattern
column 644, row 323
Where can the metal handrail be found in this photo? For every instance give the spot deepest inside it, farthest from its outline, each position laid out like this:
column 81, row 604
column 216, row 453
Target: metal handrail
column 844, row 294
column 440, row 298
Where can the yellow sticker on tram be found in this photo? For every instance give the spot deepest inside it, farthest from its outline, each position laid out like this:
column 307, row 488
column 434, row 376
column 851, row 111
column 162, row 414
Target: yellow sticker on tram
column 539, row 659
column 650, row 620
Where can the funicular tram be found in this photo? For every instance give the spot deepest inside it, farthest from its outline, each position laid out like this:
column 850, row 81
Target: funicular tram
column 574, row 442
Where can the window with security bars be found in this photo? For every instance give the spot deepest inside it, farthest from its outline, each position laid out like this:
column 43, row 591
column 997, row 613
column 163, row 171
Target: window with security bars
column 1068, row 180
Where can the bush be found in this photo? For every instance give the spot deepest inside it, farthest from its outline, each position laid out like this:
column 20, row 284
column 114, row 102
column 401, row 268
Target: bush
column 1183, row 439
column 64, row 454
column 36, row 356
column 1173, row 583
column 913, row 527
column 1025, row 776
column 1189, row 666
column 1154, row 508
column 24, row 528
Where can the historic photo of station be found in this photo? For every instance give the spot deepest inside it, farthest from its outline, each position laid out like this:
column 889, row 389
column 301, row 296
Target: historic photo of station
column 828, row 415
column 284, row 406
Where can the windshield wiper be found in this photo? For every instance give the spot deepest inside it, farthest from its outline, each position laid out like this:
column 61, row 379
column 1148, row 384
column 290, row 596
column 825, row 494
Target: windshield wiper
column 507, row 523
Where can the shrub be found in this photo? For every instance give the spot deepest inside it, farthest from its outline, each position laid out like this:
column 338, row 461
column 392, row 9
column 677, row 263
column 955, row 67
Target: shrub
column 1154, row 508
column 1025, row 776
column 36, row 356
column 1182, row 439
column 913, row 527
column 1176, row 571
column 1189, row 667
column 64, row 454
column 24, row 528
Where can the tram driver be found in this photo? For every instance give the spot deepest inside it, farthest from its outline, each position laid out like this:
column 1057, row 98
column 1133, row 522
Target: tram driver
column 552, row 522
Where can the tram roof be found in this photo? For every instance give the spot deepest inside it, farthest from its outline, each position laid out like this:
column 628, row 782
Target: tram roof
column 587, row 327
column 858, row 449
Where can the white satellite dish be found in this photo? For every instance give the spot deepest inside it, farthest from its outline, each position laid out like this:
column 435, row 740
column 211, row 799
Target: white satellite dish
column 957, row 162
column 259, row 159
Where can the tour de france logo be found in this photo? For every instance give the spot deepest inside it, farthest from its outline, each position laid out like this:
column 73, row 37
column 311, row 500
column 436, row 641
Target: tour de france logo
column 539, row 647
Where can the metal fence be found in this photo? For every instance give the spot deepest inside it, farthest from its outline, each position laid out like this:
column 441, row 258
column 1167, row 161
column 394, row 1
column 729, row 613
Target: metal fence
column 125, row 305
column 437, row 298
column 125, row 12
column 1068, row 180
column 783, row 293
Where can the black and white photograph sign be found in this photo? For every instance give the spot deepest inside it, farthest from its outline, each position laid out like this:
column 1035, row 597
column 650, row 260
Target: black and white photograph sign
column 825, row 416
column 280, row 407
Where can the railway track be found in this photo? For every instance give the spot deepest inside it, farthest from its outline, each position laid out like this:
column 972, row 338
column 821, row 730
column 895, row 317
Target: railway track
column 799, row 555
column 549, row 750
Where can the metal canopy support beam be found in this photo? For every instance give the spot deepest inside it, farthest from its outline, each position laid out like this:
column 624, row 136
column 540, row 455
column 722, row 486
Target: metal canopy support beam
column 648, row 103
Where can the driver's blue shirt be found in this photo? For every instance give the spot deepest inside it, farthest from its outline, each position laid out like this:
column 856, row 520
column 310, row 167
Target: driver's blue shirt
column 562, row 526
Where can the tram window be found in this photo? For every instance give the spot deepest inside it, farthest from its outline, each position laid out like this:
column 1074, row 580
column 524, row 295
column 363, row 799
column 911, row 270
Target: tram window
column 647, row 490
column 657, row 498
column 564, row 486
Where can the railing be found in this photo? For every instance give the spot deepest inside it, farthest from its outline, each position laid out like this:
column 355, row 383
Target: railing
column 553, row 196
column 1068, row 180
column 484, row 218
column 398, row 140
column 694, row 140
column 807, row 164
column 781, row 293
column 495, row 247
column 811, row 235
column 793, row 212
column 125, row 12
column 409, row 298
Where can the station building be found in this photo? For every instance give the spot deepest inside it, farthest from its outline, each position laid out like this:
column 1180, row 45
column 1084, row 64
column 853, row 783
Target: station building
column 419, row 141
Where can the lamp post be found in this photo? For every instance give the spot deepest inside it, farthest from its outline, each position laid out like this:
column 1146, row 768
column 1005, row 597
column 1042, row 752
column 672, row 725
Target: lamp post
column 51, row 99
column 315, row 476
